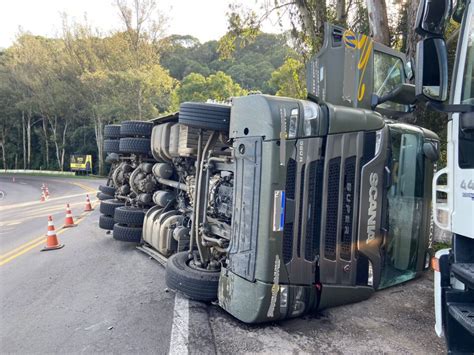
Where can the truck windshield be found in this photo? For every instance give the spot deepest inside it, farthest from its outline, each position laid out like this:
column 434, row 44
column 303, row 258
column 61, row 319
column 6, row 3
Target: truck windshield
column 466, row 137
column 468, row 76
column 405, row 206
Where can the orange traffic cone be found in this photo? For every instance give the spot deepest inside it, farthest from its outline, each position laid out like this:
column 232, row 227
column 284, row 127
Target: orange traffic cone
column 52, row 242
column 68, row 222
column 88, row 207
column 43, row 197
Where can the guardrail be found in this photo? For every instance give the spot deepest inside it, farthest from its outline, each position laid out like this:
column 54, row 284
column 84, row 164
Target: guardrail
column 40, row 172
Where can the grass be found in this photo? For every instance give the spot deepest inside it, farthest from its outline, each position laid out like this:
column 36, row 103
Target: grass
column 92, row 177
column 440, row 245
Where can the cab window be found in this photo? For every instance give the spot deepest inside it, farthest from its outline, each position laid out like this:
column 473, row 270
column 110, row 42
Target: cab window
column 388, row 74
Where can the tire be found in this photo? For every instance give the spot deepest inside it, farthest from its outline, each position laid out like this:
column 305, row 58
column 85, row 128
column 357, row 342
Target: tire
column 112, row 146
column 108, row 190
column 195, row 284
column 136, row 128
column 112, row 131
column 135, row 145
column 127, row 234
column 102, row 197
column 106, row 222
column 108, row 207
column 206, row 116
column 130, row 216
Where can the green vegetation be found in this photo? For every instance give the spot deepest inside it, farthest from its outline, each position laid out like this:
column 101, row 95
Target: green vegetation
column 219, row 86
column 251, row 65
column 57, row 94
column 440, row 245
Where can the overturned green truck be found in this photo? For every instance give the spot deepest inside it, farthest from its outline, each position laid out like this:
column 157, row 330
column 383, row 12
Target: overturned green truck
column 278, row 207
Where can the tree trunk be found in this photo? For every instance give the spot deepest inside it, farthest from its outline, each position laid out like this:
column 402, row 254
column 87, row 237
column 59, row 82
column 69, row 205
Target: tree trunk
column 63, row 146
column 28, row 135
column 3, row 155
column 46, row 142
column 313, row 16
column 139, row 101
column 54, row 129
column 411, row 37
column 2, row 144
column 100, row 143
column 23, row 130
column 341, row 12
column 378, row 22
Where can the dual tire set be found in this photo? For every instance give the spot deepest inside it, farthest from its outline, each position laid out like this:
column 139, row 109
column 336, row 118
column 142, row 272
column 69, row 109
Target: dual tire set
column 133, row 137
column 129, row 137
column 125, row 221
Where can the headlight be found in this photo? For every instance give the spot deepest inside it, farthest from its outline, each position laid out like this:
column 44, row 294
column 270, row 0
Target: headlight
column 311, row 116
column 298, row 306
column 293, row 128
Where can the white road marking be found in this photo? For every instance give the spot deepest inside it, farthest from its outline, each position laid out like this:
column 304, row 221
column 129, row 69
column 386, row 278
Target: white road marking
column 180, row 330
column 46, row 210
column 31, row 203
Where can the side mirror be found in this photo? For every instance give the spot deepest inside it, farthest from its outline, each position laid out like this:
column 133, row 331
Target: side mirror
column 432, row 17
column 430, row 150
column 403, row 94
column 431, row 79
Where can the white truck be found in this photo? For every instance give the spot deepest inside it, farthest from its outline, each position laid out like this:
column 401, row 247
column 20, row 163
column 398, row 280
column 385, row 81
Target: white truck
column 453, row 186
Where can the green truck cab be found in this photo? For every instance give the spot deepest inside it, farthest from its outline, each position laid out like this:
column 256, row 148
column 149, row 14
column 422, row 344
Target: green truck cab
column 278, row 207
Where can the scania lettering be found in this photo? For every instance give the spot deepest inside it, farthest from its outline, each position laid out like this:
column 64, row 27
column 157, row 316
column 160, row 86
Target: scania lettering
column 372, row 207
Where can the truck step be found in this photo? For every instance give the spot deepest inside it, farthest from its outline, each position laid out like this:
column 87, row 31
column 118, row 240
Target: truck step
column 465, row 273
column 464, row 315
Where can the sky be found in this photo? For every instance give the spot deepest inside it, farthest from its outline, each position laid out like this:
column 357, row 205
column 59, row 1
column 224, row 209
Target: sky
column 204, row 19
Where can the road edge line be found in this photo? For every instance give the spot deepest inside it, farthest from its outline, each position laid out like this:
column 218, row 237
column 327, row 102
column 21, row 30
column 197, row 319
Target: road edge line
column 180, row 329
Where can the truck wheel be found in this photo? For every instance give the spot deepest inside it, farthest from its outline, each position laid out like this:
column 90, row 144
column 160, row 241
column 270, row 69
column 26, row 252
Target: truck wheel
column 136, row 128
column 135, row 145
column 102, row 197
column 129, row 215
column 112, row 146
column 200, row 285
column 108, row 207
column 108, row 190
column 206, row 116
column 127, row 234
column 112, row 131
column 106, row 222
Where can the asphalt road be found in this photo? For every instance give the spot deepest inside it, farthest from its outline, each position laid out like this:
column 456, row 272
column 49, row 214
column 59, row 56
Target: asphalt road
column 100, row 295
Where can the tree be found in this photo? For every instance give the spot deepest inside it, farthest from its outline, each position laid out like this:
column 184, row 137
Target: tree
column 49, row 88
column 250, row 66
column 119, row 77
column 307, row 18
column 144, row 29
column 288, row 80
column 219, row 86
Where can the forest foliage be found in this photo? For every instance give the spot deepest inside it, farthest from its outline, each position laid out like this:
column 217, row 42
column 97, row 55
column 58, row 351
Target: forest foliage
column 56, row 94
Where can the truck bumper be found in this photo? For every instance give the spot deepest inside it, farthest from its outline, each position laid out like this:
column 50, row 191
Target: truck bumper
column 257, row 302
